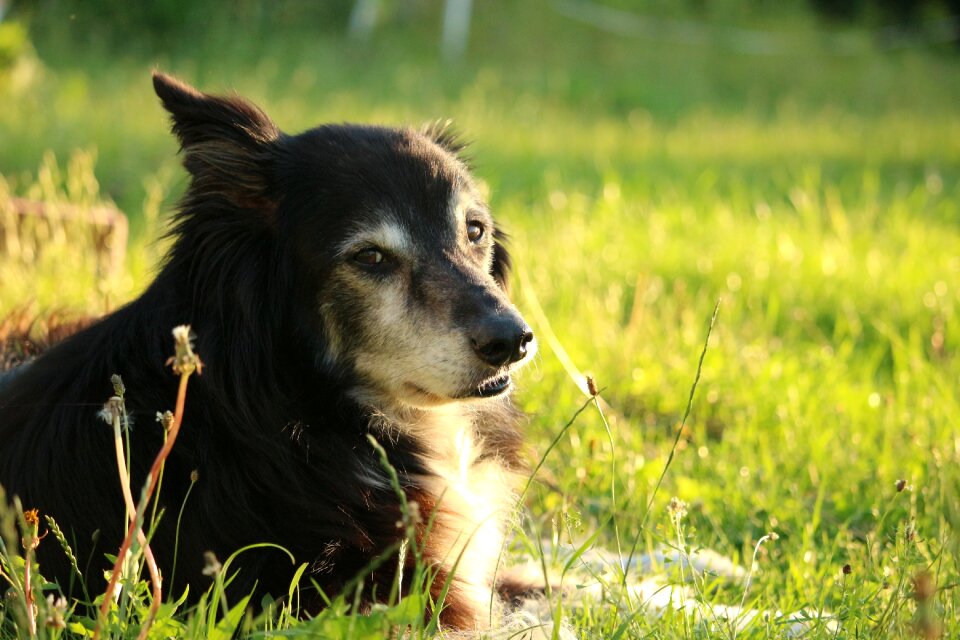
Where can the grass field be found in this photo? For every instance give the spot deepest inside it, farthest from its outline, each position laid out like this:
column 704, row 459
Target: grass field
column 815, row 195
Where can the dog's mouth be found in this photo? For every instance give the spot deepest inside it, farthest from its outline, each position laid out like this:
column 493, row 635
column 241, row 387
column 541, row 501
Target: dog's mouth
column 492, row 387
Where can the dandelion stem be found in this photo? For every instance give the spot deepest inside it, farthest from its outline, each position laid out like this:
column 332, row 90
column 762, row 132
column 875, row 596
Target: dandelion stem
column 185, row 362
column 116, row 411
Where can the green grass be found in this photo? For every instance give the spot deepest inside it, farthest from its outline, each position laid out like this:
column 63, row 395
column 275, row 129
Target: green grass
column 817, row 197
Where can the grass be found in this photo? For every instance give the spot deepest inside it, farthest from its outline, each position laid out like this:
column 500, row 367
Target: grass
column 818, row 197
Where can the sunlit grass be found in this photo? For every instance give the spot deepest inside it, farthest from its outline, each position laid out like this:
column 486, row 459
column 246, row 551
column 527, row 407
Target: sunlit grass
column 827, row 381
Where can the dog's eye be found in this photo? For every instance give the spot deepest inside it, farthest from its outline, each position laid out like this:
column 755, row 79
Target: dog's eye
column 474, row 231
column 369, row 257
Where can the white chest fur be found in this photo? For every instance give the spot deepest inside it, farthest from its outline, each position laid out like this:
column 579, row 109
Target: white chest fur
column 474, row 499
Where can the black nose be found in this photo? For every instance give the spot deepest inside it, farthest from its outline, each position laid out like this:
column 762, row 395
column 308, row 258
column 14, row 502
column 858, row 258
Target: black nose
column 501, row 341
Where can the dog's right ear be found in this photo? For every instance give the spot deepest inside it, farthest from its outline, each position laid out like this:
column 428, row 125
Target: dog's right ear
column 226, row 141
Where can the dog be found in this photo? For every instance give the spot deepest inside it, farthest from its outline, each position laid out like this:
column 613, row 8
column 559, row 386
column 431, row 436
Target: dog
column 345, row 282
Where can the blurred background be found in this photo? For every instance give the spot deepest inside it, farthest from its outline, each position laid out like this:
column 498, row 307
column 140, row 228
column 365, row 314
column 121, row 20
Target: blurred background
column 517, row 76
column 798, row 160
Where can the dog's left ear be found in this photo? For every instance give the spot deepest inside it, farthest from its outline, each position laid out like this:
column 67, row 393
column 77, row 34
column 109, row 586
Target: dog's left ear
column 226, row 142
column 501, row 259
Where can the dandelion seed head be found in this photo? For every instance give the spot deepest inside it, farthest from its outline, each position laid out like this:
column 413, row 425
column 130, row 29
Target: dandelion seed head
column 182, row 334
column 677, row 508
column 185, row 361
column 211, row 566
column 112, row 410
column 165, row 419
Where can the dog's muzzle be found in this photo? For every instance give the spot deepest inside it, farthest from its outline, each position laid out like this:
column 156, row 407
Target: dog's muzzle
column 500, row 340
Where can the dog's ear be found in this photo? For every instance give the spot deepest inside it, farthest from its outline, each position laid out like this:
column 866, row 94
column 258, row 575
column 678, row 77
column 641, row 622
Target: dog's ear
column 501, row 259
column 226, row 141
column 443, row 133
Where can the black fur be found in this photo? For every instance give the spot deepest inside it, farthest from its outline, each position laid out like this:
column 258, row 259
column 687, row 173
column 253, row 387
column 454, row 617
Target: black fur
column 277, row 442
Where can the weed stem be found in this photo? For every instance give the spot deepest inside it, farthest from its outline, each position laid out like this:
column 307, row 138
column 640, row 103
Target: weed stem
column 676, row 440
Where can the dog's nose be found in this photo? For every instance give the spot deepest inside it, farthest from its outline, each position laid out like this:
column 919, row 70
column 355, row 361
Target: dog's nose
column 502, row 341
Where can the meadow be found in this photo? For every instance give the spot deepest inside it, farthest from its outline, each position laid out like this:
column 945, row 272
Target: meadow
column 812, row 196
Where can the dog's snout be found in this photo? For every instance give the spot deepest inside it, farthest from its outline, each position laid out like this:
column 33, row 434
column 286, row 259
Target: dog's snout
column 501, row 341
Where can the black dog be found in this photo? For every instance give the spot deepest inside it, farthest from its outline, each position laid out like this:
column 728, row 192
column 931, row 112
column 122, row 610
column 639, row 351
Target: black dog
column 341, row 282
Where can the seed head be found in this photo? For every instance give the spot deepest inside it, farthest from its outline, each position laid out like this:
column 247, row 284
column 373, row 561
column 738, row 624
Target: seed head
column 900, row 485
column 194, row 476
column 592, row 386
column 211, row 566
column 847, row 569
column 118, row 387
column 184, row 361
column 166, row 419
column 56, row 608
column 677, row 508
column 112, row 409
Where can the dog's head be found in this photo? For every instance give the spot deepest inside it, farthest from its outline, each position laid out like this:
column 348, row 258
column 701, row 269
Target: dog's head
column 400, row 270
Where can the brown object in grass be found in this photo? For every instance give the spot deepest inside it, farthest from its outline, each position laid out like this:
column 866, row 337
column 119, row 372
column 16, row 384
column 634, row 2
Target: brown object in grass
column 107, row 226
